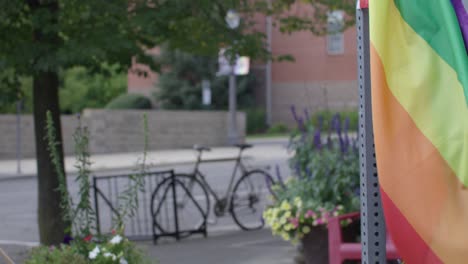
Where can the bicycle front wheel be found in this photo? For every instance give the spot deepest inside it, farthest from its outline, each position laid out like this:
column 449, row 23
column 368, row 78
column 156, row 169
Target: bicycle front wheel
column 250, row 196
column 184, row 211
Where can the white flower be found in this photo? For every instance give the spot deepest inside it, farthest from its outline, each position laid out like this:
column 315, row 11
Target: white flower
column 123, row 261
column 110, row 255
column 93, row 254
column 115, row 240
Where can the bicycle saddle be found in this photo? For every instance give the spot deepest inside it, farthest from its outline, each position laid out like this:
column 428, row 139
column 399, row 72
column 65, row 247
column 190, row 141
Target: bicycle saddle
column 243, row 146
column 201, row 148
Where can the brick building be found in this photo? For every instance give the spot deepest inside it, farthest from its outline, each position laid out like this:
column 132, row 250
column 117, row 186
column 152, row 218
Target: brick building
column 323, row 75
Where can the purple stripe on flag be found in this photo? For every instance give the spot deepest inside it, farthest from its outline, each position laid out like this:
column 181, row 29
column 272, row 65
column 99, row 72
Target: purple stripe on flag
column 460, row 10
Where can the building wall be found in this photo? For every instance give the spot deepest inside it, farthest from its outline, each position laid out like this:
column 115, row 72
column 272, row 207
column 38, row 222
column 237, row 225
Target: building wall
column 120, row 131
column 139, row 83
column 313, row 96
column 313, row 73
column 315, row 80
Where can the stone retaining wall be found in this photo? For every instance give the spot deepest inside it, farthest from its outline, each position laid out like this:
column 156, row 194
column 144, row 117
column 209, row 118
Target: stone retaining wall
column 116, row 131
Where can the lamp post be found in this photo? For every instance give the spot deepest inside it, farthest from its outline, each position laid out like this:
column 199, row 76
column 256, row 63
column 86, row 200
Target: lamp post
column 233, row 21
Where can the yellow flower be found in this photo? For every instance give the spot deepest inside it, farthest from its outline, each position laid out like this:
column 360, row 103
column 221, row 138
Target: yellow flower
column 286, row 236
column 306, row 230
column 283, row 220
column 287, row 214
column 298, row 201
column 275, row 226
column 274, row 212
column 285, row 206
column 288, row 227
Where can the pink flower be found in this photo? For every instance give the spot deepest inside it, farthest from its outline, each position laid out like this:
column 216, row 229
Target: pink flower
column 88, row 238
column 320, row 221
column 310, row 214
column 113, row 232
column 294, row 222
column 325, row 215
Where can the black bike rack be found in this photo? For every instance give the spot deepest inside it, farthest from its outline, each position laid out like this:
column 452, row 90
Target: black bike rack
column 106, row 192
column 166, row 186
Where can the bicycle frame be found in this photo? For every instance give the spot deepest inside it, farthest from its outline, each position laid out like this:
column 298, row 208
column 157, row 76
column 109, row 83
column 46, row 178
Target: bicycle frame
column 238, row 165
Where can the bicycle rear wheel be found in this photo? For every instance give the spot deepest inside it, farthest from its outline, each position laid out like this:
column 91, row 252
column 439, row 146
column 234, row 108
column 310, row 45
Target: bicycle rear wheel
column 187, row 213
column 249, row 198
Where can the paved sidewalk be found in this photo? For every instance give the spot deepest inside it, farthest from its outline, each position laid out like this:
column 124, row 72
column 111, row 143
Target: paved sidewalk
column 264, row 149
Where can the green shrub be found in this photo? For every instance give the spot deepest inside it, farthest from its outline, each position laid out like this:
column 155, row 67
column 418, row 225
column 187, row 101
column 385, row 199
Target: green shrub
column 56, row 255
column 278, row 128
column 325, row 182
column 256, row 121
column 85, row 246
column 130, row 101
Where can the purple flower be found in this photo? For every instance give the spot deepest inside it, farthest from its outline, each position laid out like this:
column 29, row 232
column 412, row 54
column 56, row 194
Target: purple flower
column 67, row 239
column 298, row 119
column 317, row 140
column 278, row 176
column 301, row 125
column 294, row 113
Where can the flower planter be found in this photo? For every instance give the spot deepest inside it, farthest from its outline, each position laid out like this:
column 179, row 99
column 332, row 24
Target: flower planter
column 315, row 246
column 315, row 243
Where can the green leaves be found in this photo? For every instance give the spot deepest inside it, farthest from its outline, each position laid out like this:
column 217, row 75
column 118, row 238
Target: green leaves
column 66, row 33
column 327, row 172
column 66, row 202
column 84, row 215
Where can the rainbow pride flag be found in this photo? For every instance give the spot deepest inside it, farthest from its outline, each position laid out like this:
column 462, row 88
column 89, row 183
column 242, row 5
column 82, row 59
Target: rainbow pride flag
column 419, row 72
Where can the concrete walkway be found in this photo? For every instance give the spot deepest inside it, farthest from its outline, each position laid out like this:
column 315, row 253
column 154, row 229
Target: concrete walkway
column 264, row 149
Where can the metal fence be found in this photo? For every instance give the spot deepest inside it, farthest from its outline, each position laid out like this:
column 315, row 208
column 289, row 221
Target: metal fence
column 158, row 214
column 107, row 190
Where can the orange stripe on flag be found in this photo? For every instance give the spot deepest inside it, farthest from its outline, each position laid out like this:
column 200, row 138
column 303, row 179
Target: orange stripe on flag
column 416, row 177
column 412, row 247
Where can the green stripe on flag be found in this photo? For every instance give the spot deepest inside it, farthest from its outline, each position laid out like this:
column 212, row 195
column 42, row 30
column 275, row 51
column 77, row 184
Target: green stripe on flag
column 436, row 22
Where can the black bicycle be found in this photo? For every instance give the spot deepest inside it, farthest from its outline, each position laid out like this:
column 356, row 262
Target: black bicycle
column 245, row 197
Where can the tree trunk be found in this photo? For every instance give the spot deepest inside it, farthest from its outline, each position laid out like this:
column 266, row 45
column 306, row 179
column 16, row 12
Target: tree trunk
column 51, row 224
column 45, row 98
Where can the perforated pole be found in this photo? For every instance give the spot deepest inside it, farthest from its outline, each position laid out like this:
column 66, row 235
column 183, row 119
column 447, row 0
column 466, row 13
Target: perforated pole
column 373, row 237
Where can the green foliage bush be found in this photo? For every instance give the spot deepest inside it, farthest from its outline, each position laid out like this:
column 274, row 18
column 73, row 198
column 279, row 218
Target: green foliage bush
column 82, row 242
column 114, row 249
column 325, row 182
column 256, row 122
column 78, row 90
column 179, row 85
column 56, row 255
column 130, row 101
column 278, row 128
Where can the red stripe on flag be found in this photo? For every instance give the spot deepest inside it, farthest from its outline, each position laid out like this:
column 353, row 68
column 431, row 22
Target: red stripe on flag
column 364, row 3
column 410, row 245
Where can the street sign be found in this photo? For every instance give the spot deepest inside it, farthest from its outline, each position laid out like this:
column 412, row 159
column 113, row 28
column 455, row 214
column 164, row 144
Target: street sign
column 241, row 67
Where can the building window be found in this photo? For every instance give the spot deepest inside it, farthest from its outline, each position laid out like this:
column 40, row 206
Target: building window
column 335, row 38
